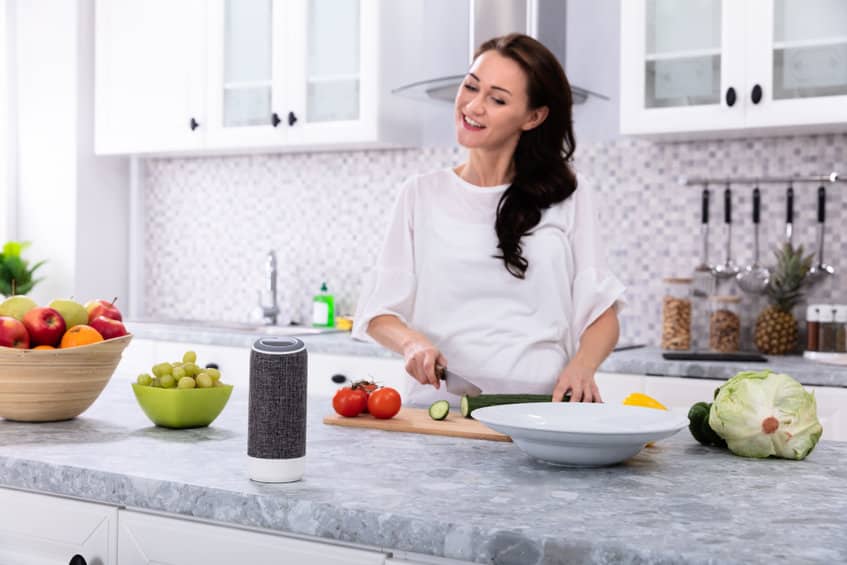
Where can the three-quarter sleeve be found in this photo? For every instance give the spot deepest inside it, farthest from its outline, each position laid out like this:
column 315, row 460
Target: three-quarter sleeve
column 594, row 287
column 389, row 288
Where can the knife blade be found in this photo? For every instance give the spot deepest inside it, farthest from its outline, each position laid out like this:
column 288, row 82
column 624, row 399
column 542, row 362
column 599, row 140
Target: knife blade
column 456, row 384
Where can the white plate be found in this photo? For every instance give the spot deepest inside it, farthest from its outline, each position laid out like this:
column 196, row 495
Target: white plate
column 582, row 434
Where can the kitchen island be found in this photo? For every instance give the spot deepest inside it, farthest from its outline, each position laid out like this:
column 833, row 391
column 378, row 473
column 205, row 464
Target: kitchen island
column 469, row 500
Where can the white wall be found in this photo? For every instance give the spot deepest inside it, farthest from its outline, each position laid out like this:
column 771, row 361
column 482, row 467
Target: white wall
column 71, row 205
column 6, row 124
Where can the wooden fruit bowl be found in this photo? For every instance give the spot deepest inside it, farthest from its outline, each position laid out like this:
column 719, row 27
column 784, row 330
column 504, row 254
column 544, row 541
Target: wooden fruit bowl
column 55, row 384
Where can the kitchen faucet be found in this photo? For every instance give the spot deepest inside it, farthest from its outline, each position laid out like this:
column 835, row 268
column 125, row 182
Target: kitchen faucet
column 270, row 313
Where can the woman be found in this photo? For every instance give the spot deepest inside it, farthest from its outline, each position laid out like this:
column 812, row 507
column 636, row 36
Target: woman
column 494, row 267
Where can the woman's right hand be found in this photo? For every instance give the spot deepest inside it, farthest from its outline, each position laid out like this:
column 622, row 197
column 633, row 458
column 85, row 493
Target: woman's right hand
column 422, row 357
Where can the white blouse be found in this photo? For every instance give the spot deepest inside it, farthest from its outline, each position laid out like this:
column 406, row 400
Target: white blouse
column 436, row 272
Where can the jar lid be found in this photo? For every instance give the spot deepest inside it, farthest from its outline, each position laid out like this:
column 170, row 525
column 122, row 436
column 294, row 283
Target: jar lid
column 678, row 280
column 841, row 313
column 725, row 298
column 813, row 313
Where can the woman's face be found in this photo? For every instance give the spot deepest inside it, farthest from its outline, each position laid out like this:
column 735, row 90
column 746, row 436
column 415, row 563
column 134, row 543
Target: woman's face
column 492, row 105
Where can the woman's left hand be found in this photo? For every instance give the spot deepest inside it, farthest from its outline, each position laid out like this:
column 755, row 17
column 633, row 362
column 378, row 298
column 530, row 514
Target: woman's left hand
column 579, row 380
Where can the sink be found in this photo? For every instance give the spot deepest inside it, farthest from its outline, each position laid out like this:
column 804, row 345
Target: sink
column 221, row 325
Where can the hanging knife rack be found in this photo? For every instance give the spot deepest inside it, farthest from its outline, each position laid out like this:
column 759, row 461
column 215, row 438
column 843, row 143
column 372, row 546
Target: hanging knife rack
column 832, row 177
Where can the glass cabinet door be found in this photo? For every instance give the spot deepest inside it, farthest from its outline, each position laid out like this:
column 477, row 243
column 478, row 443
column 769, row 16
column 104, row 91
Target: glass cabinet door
column 247, row 85
column 809, row 50
column 683, row 53
column 332, row 65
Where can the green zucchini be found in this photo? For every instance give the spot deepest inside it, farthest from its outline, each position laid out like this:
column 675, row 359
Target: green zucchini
column 439, row 409
column 698, row 425
column 471, row 403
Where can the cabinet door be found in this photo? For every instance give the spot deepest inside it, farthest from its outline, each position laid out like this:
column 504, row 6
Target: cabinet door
column 233, row 362
column 797, row 62
column 39, row 529
column 149, row 73
column 246, row 73
column 138, row 357
column 682, row 65
column 384, row 371
column 332, row 55
column 614, row 387
column 832, row 411
column 676, row 392
column 148, row 539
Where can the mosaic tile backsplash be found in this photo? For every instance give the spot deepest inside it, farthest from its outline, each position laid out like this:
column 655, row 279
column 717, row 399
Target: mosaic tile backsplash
column 210, row 222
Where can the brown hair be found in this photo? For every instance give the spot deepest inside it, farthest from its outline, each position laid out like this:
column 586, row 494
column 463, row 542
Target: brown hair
column 543, row 176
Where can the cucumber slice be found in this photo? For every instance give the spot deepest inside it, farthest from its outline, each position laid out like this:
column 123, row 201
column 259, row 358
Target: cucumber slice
column 439, row 409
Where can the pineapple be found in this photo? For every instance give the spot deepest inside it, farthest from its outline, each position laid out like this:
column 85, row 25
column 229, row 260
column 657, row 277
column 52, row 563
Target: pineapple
column 776, row 328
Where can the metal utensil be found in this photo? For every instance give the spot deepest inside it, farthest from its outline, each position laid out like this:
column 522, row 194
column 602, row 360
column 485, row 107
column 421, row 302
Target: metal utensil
column 457, row 384
column 789, row 213
column 728, row 269
column 820, row 270
column 754, row 278
column 703, row 278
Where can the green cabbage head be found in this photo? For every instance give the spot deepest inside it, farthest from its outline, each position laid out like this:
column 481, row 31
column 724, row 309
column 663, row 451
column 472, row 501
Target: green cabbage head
column 762, row 413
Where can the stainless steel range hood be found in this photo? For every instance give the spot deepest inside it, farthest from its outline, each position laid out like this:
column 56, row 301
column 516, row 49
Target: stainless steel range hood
column 541, row 19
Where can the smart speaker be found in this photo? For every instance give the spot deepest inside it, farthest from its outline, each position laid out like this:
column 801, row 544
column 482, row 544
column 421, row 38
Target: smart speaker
column 276, row 428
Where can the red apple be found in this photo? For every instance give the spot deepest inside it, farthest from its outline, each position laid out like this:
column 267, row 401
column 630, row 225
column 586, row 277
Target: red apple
column 108, row 327
column 102, row 308
column 13, row 333
column 45, row 326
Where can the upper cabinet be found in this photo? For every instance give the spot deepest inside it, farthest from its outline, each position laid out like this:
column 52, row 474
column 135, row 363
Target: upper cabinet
column 272, row 75
column 706, row 67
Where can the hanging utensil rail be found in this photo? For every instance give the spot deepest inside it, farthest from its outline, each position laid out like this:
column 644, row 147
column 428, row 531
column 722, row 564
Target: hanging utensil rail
column 832, row 177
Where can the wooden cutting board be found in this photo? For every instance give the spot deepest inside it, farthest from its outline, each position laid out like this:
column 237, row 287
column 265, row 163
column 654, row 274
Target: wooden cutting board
column 418, row 421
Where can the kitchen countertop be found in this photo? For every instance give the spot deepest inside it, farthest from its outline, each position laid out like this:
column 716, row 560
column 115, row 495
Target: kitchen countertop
column 647, row 360
column 473, row 500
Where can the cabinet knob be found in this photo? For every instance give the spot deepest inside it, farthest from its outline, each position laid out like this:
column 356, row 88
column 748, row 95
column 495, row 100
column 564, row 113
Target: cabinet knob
column 756, row 94
column 339, row 379
column 730, row 97
column 193, row 124
column 212, row 366
column 275, row 121
column 292, row 119
column 77, row 560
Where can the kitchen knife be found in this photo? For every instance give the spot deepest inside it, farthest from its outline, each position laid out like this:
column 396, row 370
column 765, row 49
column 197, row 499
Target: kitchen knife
column 457, row 384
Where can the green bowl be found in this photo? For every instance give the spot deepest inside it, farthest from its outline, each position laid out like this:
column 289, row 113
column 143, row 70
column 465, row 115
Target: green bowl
column 182, row 408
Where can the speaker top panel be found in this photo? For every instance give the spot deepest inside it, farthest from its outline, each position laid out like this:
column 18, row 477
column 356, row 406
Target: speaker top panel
column 278, row 345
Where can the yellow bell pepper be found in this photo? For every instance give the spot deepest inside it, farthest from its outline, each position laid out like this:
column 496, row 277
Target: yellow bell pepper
column 640, row 399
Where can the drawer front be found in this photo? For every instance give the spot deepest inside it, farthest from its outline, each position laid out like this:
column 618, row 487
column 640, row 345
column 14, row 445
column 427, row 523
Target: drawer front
column 386, row 372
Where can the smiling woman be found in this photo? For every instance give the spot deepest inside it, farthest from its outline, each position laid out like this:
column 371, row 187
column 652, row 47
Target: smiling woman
column 496, row 265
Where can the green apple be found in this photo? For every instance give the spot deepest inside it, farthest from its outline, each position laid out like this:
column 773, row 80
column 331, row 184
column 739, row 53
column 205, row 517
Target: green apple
column 17, row 306
column 73, row 312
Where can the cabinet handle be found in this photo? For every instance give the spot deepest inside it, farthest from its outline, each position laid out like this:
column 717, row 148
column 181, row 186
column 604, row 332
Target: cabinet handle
column 275, row 121
column 193, row 124
column 292, row 119
column 212, row 366
column 756, row 94
column 730, row 97
column 77, row 560
column 338, row 379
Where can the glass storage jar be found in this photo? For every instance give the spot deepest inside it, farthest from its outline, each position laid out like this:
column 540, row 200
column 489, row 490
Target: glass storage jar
column 725, row 323
column 841, row 328
column 676, row 313
column 826, row 329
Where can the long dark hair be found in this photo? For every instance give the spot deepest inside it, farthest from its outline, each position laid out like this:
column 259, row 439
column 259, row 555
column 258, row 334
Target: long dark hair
column 543, row 176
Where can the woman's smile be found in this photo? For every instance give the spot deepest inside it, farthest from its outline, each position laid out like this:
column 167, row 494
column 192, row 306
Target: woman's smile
column 471, row 124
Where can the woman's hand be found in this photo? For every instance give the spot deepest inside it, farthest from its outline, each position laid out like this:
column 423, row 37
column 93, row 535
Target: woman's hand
column 579, row 380
column 421, row 359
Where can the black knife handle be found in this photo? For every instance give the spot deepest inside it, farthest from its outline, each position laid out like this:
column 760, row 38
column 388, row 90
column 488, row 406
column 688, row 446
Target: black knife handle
column 821, row 204
column 727, row 205
column 789, row 205
column 757, row 204
column 704, row 211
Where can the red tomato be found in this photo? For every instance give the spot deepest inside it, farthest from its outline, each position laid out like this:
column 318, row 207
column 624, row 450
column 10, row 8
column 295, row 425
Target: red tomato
column 349, row 402
column 384, row 403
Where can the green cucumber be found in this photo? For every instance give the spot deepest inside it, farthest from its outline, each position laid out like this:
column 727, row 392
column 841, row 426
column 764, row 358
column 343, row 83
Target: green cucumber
column 698, row 425
column 471, row 403
column 439, row 409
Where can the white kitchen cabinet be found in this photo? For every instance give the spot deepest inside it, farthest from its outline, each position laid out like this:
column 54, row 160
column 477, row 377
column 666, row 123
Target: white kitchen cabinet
column 681, row 392
column 280, row 75
column 150, row 539
column 383, row 370
column 233, row 362
column 149, row 76
column 38, row 530
column 614, row 387
column 832, row 411
column 138, row 357
column 714, row 67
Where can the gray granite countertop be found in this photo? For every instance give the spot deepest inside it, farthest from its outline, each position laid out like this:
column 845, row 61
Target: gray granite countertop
column 473, row 500
column 645, row 360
